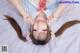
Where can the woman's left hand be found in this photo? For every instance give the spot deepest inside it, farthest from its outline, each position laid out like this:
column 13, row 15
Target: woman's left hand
column 50, row 19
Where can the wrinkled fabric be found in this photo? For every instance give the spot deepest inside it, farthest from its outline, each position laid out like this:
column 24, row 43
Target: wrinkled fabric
column 68, row 42
column 30, row 8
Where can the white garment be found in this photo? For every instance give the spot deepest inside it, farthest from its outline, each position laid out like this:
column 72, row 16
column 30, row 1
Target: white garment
column 31, row 9
column 68, row 42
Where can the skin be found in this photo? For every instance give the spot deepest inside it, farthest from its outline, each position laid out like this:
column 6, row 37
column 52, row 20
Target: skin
column 17, row 28
column 40, row 27
column 19, row 6
column 39, row 23
column 39, row 31
column 54, row 16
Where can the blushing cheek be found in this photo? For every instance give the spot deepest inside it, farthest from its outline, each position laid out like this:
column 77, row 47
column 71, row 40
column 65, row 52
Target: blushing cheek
column 35, row 34
column 45, row 32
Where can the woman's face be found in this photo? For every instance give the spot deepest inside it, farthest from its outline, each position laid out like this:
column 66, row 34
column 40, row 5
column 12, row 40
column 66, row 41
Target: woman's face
column 40, row 33
column 40, row 29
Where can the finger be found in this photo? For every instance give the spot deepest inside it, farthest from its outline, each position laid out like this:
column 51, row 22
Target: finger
column 32, row 22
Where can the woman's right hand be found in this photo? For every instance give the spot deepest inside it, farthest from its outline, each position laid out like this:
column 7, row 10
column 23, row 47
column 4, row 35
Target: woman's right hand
column 29, row 20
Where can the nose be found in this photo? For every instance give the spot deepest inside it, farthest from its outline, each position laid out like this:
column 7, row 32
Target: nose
column 40, row 31
column 40, row 34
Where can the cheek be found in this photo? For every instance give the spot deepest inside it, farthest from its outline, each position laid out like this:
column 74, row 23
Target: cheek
column 45, row 33
column 35, row 34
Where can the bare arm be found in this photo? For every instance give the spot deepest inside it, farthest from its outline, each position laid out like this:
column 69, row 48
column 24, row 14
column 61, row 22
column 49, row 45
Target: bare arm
column 57, row 13
column 19, row 6
column 54, row 16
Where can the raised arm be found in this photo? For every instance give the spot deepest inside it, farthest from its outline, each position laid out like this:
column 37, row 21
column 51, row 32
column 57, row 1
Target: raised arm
column 19, row 6
column 57, row 13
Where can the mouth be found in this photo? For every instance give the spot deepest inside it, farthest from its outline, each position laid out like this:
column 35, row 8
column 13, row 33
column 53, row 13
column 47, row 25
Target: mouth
column 40, row 20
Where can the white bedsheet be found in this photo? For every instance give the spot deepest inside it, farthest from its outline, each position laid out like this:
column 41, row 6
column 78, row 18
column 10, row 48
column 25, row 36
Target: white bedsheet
column 68, row 42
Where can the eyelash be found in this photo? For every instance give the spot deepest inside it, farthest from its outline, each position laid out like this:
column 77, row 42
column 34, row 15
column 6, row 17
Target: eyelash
column 36, row 30
column 44, row 30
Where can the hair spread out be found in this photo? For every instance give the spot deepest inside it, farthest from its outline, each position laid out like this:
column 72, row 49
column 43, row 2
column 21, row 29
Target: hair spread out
column 17, row 28
column 66, row 26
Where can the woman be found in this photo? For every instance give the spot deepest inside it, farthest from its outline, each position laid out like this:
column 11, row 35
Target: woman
column 33, row 9
column 28, row 8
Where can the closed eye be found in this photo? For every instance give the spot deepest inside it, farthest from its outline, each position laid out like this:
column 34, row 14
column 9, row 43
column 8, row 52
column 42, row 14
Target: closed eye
column 34, row 30
column 44, row 30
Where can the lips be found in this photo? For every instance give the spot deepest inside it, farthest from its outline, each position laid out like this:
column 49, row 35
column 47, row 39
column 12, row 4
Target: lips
column 40, row 20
